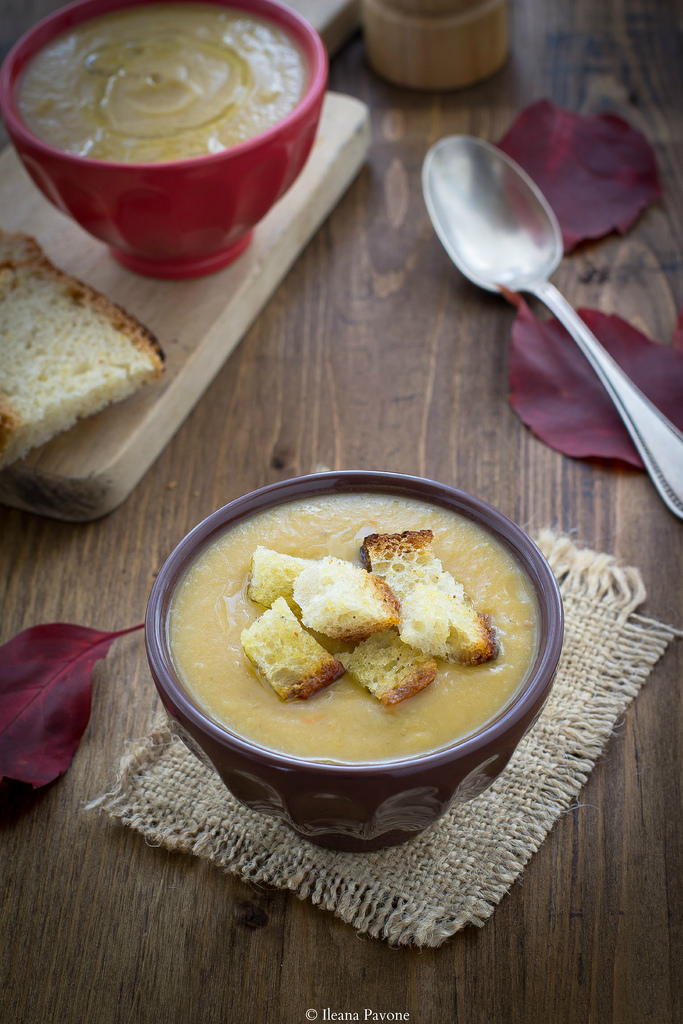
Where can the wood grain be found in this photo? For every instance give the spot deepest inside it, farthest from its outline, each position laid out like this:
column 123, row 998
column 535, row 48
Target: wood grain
column 375, row 353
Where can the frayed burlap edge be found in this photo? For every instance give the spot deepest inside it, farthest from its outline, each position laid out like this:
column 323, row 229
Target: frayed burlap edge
column 456, row 872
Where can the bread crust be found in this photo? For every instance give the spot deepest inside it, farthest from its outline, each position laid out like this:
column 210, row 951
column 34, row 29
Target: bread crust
column 294, row 664
column 420, row 679
column 392, row 613
column 18, row 247
column 9, row 424
column 389, row 669
column 394, row 545
column 488, row 648
column 308, row 686
column 123, row 321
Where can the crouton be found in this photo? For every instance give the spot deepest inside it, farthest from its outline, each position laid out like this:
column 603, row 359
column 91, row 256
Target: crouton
column 437, row 616
column 287, row 656
column 273, row 575
column 402, row 559
column 446, row 625
column 388, row 668
column 344, row 601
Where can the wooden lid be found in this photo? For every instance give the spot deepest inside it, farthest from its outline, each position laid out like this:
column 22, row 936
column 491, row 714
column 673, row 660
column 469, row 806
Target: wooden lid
column 421, row 7
column 431, row 50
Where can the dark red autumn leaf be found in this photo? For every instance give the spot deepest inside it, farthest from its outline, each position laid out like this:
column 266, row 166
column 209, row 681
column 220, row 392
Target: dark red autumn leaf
column 558, row 396
column 45, row 678
column 597, row 172
column 677, row 338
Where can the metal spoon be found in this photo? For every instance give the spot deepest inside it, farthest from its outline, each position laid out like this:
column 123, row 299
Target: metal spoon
column 499, row 229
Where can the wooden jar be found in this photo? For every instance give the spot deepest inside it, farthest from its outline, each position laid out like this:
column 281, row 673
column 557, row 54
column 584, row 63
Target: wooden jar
column 435, row 44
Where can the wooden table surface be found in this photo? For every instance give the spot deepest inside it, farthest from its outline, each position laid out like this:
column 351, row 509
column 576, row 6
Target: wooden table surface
column 375, row 353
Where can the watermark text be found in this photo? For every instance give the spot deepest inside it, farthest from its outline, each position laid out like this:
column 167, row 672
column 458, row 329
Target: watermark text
column 327, row 1013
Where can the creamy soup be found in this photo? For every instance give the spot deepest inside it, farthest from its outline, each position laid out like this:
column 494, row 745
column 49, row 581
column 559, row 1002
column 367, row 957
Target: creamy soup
column 345, row 723
column 162, row 82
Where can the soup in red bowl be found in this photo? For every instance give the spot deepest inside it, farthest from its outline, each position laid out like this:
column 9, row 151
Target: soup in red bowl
column 167, row 131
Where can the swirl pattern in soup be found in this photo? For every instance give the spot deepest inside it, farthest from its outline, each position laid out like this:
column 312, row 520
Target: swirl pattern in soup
column 162, row 82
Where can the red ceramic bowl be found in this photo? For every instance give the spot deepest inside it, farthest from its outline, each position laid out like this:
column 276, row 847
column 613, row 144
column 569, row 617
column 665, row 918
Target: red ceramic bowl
column 357, row 806
column 180, row 218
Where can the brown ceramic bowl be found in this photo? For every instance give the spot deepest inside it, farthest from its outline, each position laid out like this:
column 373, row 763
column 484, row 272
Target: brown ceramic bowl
column 371, row 805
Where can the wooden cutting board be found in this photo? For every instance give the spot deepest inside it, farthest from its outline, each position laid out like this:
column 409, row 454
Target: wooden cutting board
column 89, row 470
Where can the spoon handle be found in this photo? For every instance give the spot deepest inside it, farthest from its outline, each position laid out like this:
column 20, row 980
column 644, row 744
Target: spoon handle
column 659, row 442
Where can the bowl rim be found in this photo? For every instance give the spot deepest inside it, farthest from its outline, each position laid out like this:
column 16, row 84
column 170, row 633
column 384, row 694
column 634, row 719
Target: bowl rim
column 49, row 27
column 513, row 537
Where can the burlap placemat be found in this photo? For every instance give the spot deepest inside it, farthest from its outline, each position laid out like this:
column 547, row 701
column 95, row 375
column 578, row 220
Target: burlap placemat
column 457, row 871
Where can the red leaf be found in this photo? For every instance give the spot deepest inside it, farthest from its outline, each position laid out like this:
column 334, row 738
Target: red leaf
column 559, row 397
column 598, row 173
column 677, row 337
column 45, row 697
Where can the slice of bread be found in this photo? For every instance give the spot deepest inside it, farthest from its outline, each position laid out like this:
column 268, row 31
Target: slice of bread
column 388, row 668
column 286, row 656
column 437, row 617
column 272, row 575
column 66, row 350
column 343, row 600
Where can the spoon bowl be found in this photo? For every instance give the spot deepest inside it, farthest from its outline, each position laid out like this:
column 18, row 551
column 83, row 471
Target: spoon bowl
column 500, row 231
column 491, row 219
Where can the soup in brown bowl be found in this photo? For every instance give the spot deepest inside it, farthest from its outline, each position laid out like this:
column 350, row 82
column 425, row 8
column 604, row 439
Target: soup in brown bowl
column 211, row 608
column 340, row 767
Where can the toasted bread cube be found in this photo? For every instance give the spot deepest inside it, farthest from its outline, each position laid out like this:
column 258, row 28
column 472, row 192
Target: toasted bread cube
column 445, row 624
column 402, row 559
column 388, row 668
column 437, row 617
column 286, row 656
column 344, row 601
column 273, row 575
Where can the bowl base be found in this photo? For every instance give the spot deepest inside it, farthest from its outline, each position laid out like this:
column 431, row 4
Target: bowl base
column 171, row 269
column 356, row 844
